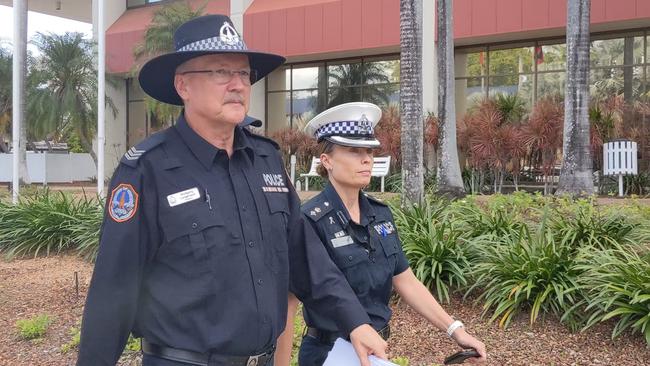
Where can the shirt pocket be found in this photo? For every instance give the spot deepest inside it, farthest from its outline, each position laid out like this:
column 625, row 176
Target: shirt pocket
column 352, row 261
column 186, row 244
column 275, row 232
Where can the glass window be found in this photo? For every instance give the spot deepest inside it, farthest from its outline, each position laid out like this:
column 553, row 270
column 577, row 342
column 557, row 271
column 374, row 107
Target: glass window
column 380, row 72
column 551, row 83
column 511, row 61
column 307, row 77
column 470, row 63
column 338, row 96
column 617, row 51
column 606, row 82
column 344, row 74
column 551, row 57
column 468, row 92
column 381, row 95
column 521, row 85
column 305, row 107
column 279, row 79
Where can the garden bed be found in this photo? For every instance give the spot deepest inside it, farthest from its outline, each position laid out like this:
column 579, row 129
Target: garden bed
column 31, row 287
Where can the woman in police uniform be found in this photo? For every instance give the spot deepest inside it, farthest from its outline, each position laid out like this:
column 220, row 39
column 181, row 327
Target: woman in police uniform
column 360, row 236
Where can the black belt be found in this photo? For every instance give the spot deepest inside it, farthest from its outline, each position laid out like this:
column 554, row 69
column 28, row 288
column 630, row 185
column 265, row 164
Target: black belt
column 330, row 337
column 204, row 359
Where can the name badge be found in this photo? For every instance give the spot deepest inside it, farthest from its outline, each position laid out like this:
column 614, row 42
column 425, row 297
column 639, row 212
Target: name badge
column 183, row 197
column 342, row 241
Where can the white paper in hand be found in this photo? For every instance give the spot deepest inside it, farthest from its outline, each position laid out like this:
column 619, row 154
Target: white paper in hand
column 343, row 354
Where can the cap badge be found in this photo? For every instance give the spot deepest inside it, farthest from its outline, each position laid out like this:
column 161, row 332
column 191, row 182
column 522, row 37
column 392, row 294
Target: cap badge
column 228, row 34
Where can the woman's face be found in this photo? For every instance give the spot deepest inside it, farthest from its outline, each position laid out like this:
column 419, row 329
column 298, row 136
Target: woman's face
column 349, row 166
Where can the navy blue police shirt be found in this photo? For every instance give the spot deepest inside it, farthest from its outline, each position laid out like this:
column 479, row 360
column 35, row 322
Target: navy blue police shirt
column 369, row 253
column 198, row 251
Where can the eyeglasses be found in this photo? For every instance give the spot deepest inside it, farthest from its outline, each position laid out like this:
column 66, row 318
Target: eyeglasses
column 223, row 76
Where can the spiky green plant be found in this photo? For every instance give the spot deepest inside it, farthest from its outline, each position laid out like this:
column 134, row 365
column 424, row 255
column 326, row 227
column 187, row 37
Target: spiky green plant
column 617, row 284
column 433, row 246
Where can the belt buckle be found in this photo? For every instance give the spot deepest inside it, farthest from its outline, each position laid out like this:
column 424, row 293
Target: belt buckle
column 253, row 361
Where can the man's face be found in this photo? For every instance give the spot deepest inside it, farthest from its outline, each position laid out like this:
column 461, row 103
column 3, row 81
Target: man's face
column 217, row 96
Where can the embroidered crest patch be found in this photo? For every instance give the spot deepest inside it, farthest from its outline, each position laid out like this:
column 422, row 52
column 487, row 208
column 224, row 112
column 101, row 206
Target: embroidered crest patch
column 123, row 203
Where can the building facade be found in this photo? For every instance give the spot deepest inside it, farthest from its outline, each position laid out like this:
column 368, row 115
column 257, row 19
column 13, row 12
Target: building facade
column 348, row 50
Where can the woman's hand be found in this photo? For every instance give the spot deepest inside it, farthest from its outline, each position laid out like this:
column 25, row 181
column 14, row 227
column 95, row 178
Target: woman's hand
column 465, row 340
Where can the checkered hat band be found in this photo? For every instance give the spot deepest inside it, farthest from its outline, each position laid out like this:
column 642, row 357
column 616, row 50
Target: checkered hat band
column 344, row 128
column 214, row 44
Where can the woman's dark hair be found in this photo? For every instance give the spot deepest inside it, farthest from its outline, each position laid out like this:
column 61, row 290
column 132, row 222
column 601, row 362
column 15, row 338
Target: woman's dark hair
column 326, row 147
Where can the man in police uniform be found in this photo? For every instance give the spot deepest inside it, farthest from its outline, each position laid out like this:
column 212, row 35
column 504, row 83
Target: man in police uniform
column 202, row 237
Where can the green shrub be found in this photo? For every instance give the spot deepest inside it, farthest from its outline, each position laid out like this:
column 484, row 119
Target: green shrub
column 75, row 338
column 526, row 271
column 34, row 327
column 433, row 246
column 496, row 222
column 591, row 226
column 617, row 285
column 45, row 223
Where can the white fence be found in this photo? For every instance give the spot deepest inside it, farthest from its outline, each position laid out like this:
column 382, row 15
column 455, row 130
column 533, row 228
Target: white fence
column 52, row 168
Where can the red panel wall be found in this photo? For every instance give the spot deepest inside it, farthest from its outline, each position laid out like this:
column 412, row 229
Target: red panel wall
column 128, row 31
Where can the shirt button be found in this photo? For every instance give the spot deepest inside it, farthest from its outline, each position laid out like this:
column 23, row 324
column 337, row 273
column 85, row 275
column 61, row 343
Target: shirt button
column 350, row 258
column 364, row 238
column 259, row 281
column 243, row 207
column 194, row 225
column 251, row 244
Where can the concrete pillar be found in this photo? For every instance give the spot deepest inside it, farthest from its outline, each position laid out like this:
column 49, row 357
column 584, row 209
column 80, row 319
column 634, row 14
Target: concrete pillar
column 258, row 100
column 115, row 145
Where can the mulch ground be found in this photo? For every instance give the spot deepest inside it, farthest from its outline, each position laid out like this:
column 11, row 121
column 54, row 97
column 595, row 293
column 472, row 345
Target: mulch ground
column 30, row 287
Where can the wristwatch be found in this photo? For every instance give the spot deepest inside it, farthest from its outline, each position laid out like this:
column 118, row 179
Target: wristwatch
column 453, row 326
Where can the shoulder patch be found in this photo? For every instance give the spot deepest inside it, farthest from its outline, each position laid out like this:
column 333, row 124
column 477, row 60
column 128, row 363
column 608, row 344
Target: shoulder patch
column 123, row 203
column 132, row 156
column 375, row 200
column 316, row 208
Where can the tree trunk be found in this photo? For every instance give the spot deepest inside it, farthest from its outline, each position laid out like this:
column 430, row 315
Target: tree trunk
column 450, row 181
column 412, row 119
column 87, row 145
column 576, row 175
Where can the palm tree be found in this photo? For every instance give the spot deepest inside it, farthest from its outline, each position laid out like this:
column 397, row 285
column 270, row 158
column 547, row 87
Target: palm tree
column 411, row 101
column 369, row 74
column 576, row 174
column 64, row 93
column 158, row 39
column 5, row 96
column 450, row 181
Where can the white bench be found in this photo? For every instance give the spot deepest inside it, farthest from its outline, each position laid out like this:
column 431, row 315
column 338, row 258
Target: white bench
column 380, row 168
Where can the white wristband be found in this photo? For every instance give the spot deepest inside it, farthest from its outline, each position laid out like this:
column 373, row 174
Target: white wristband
column 453, row 326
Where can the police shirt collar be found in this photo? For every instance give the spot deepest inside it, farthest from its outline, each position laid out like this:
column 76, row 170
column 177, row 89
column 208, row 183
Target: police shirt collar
column 366, row 209
column 204, row 151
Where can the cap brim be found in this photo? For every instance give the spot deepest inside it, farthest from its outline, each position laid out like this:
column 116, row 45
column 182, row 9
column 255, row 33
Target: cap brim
column 157, row 75
column 354, row 141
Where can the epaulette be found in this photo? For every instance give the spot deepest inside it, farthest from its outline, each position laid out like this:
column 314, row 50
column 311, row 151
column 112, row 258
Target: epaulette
column 375, row 200
column 134, row 154
column 261, row 138
column 315, row 209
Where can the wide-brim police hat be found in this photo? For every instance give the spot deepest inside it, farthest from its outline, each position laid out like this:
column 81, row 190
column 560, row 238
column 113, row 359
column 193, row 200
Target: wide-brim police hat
column 350, row 124
column 205, row 35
